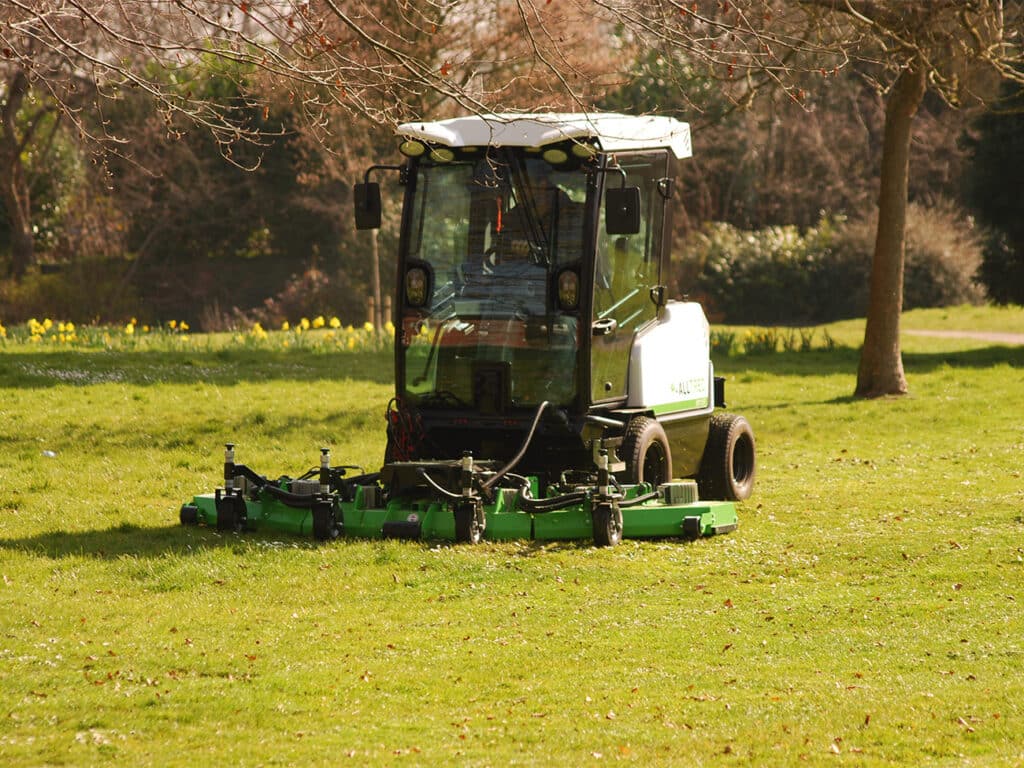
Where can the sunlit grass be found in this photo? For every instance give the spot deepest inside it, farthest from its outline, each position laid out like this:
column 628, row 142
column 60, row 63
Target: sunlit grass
column 866, row 611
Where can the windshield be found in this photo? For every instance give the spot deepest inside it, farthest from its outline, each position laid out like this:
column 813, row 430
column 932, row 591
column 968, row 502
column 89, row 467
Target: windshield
column 492, row 233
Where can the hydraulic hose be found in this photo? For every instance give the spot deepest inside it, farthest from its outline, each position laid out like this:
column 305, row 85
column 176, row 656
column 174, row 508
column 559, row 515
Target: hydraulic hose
column 639, row 499
column 297, row 500
column 437, row 486
column 522, row 451
column 537, row 506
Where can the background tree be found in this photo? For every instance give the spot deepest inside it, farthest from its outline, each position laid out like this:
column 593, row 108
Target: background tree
column 996, row 148
column 940, row 45
column 375, row 63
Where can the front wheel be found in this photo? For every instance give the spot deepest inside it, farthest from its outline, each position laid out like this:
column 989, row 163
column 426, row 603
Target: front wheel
column 646, row 453
column 728, row 467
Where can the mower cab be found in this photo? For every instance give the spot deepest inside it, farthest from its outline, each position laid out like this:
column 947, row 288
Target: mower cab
column 533, row 333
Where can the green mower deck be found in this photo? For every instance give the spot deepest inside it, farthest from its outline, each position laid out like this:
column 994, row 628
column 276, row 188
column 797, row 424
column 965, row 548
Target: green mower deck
column 335, row 508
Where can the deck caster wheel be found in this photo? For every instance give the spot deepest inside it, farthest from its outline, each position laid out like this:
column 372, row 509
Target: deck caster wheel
column 189, row 514
column 231, row 514
column 469, row 522
column 692, row 528
column 607, row 522
column 325, row 527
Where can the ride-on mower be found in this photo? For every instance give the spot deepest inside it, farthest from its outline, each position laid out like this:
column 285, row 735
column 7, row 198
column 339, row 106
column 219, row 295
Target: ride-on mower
column 546, row 387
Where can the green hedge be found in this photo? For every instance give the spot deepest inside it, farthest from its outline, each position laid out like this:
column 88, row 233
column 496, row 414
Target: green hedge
column 781, row 275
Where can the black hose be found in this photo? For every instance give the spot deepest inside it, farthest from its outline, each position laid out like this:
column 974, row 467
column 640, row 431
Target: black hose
column 540, row 506
column 639, row 499
column 437, row 487
column 522, row 450
column 537, row 506
column 299, row 501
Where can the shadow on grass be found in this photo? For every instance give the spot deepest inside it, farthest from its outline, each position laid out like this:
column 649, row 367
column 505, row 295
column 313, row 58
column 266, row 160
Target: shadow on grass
column 228, row 366
column 128, row 540
column 845, row 360
column 31, row 370
column 135, row 541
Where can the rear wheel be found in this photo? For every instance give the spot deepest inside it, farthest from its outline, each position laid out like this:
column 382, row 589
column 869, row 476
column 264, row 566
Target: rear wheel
column 728, row 467
column 646, row 453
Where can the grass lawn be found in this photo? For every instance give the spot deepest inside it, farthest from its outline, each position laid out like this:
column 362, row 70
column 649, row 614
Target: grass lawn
column 868, row 611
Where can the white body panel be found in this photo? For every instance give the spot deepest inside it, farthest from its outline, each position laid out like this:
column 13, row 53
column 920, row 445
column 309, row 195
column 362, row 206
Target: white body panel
column 614, row 132
column 670, row 363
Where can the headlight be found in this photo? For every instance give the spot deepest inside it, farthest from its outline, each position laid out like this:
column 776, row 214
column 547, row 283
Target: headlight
column 442, row 155
column 568, row 289
column 416, row 287
column 555, row 156
column 412, row 148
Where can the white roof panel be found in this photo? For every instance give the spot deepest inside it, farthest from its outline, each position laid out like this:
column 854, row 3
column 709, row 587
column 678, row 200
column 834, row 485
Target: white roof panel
column 613, row 132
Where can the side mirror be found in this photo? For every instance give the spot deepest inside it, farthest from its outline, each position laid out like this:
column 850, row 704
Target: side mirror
column 367, row 203
column 622, row 210
column 658, row 296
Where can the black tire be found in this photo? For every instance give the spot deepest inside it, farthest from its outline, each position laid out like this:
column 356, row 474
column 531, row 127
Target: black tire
column 232, row 514
column 324, row 525
column 189, row 514
column 469, row 523
column 646, row 453
column 691, row 527
column 607, row 525
column 729, row 464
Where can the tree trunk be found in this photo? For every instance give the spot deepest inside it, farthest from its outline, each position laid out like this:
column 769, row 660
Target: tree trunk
column 15, row 196
column 14, row 190
column 881, row 363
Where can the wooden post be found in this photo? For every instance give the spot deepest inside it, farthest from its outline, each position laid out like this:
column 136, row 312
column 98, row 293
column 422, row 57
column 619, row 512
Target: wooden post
column 376, row 303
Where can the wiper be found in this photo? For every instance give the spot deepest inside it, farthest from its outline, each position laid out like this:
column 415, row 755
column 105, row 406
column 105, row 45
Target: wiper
column 430, row 358
column 442, row 397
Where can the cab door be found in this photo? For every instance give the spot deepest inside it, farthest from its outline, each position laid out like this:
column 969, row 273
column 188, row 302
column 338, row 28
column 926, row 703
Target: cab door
column 626, row 268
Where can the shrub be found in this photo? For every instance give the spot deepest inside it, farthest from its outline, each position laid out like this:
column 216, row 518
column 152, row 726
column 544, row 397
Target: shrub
column 86, row 291
column 1002, row 269
column 779, row 275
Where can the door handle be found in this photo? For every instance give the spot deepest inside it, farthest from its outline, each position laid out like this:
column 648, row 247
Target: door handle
column 604, row 326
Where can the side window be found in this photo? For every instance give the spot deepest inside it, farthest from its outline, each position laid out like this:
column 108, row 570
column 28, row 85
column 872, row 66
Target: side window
column 626, row 268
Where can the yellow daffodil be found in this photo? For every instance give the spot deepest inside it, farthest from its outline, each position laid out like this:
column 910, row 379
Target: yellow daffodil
column 368, row 326
column 129, row 329
column 335, row 322
column 304, row 324
column 172, row 324
column 285, row 325
column 389, row 327
column 319, row 322
column 183, row 326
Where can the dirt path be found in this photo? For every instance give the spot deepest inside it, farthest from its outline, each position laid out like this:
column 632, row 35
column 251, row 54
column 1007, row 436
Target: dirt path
column 993, row 336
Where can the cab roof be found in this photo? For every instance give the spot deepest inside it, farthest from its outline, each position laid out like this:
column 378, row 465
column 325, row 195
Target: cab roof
column 613, row 132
